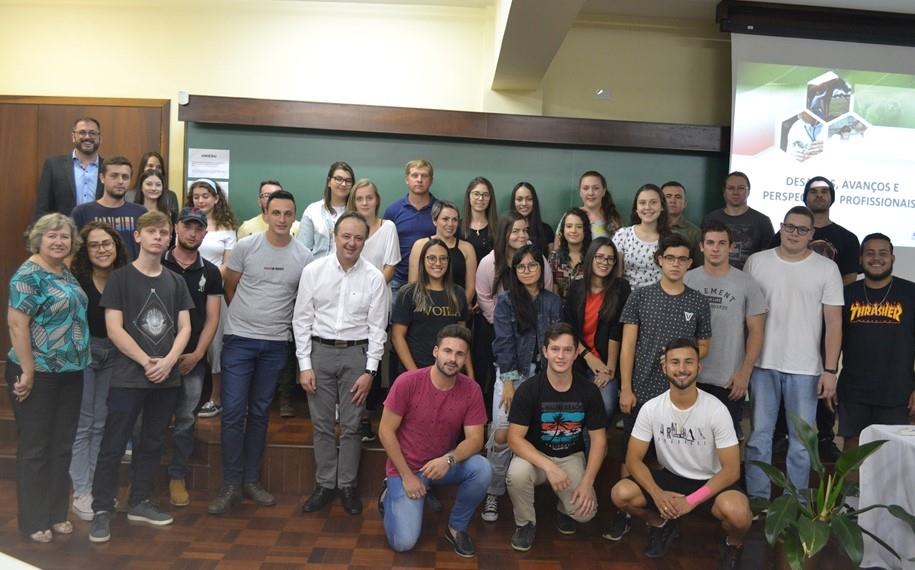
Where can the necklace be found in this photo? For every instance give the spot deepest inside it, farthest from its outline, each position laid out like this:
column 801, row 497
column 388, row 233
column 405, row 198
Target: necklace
column 678, row 413
column 885, row 295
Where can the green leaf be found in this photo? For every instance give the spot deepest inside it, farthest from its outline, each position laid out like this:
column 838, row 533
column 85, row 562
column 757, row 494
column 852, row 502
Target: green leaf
column 903, row 515
column 808, row 437
column 777, row 477
column 782, row 513
column 879, row 541
column 853, row 458
column 848, row 534
column 813, row 534
column 793, row 551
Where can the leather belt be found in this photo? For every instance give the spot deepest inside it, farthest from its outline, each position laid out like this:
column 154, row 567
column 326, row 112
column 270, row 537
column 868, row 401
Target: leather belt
column 339, row 343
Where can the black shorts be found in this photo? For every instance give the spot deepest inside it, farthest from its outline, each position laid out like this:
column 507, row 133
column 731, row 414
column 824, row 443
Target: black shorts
column 855, row 416
column 674, row 483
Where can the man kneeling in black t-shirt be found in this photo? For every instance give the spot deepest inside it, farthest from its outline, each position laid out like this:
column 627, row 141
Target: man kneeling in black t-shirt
column 697, row 448
column 547, row 420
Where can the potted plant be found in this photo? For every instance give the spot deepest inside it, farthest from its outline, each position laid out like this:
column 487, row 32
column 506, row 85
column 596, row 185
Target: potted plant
column 804, row 519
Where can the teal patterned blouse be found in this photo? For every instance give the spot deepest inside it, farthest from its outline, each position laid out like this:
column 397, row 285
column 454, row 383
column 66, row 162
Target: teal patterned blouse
column 58, row 327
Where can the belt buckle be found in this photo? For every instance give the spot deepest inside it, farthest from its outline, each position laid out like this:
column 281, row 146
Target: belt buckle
column 339, row 343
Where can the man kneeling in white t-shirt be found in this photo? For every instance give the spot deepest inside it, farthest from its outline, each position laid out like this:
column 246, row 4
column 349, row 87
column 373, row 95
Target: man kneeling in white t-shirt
column 696, row 446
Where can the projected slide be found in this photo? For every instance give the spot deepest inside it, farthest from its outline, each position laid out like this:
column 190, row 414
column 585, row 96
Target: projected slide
column 855, row 127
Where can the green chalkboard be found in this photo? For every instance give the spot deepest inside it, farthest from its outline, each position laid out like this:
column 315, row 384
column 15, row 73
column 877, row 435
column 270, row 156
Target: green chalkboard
column 299, row 159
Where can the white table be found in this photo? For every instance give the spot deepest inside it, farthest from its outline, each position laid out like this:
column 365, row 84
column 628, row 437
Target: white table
column 888, row 477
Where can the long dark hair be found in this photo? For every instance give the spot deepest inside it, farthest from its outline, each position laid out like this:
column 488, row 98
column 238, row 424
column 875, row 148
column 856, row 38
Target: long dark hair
column 500, row 249
column 663, row 220
column 607, row 205
column 422, row 299
column 611, row 283
column 534, row 221
column 490, row 209
column 339, row 165
column 80, row 265
column 525, row 308
column 586, row 227
column 162, row 200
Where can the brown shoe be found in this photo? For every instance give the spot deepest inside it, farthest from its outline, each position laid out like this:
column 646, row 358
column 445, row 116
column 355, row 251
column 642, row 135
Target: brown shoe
column 178, row 493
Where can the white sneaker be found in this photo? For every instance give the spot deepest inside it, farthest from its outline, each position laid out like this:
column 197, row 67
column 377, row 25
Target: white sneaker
column 82, row 507
column 490, row 508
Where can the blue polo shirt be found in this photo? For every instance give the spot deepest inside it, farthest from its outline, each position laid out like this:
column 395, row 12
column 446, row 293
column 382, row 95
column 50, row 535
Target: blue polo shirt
column 412, row 224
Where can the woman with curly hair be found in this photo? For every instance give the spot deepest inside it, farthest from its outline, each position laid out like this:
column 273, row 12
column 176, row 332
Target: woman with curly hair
column 102, row 252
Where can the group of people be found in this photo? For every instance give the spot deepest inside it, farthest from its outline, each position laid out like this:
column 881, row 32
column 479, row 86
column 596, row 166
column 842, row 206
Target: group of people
column 124, row 308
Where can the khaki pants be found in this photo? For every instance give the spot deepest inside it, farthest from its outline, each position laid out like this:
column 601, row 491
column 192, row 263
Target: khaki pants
column 523, row 477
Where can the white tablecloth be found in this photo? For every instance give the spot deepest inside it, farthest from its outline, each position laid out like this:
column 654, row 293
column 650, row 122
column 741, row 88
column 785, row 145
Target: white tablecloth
column 888, row 477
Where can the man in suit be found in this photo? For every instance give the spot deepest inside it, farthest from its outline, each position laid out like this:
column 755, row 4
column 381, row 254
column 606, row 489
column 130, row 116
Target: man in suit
column 68, row 180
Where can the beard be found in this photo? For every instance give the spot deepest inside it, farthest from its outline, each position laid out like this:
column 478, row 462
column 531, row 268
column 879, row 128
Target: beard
column 683, row 385
column 443, row 368
column 184, row 245
column 878, row 276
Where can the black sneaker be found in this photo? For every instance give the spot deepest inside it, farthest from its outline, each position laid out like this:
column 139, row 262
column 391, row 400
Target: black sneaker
column 365, row 431
column 228, row 497
column 256, row 492
column 463, row 546
column 565, row 524
column 523, row 537
column 619, row 526
column 100, row 531
column 730, row 556
column 659, row 539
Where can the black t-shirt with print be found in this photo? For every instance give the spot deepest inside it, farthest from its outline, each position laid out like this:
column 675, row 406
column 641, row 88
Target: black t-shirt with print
column 556, row 420
column 878, row 344
column 150, row 307
column 422, row 327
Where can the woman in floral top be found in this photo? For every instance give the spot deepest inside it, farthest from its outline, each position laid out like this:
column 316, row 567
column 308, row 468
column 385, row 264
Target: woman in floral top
column 49, row 334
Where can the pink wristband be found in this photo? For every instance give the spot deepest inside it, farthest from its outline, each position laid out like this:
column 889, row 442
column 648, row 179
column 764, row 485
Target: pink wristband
column 699, row 495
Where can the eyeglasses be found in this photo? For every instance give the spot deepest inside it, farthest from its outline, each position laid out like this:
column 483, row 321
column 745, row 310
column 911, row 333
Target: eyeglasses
column 479, row 195
column 89, row 134
column 800, row 230
column 97, row 245
column 433, row 259
column 342, row 181
column 527, row 267
column 605, row 259
column 263, row 195
column 676, row 258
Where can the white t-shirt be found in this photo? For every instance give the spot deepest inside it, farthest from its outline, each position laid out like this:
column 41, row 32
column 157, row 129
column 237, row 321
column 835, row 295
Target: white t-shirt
column 795, row 292
column 215, row 244
column 639, row 267
column 687, row 441
column 383, row 247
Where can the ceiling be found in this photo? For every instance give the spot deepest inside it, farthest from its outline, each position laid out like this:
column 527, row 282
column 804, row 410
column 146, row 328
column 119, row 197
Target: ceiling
column 705, row 9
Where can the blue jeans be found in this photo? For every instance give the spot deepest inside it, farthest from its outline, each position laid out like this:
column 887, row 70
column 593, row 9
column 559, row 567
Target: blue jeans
column 92, row 412
column 403, row 516
column 250, row 368
column 767, row 389
column 185, row 421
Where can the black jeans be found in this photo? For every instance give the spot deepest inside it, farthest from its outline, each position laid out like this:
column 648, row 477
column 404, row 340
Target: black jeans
column 735, row 407
column 45, row 427
column 124, row 406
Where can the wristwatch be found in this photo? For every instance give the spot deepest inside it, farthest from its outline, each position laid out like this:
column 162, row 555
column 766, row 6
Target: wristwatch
column 451, row 460
column 830, row 370
column 372, row 373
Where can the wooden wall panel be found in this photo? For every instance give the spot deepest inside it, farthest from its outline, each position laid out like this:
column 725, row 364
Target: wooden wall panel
column 20, row 168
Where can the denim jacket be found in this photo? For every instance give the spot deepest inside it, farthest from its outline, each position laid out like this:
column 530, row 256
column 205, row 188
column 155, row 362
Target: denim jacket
column 515, row 351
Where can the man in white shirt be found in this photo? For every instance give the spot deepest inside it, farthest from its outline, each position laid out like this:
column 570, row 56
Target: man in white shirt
column 697, row 449
column 340, row 317
column 804, row 294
